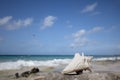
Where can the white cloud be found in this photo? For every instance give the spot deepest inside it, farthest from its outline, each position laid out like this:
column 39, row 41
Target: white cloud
column 95, row 29
column 5, row 20
column 89, row 8
column 27, row 21
column 79, row 33
column 11, row 24
column 79, row 42
column 48, row 22
column 79, row 37
column 18, row 24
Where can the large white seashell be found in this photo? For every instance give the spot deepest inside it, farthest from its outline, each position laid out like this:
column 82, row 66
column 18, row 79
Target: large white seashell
column 79, row 62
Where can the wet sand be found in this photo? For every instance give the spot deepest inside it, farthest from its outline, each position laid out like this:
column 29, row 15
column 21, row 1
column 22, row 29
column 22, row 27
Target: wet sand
column 102, row 70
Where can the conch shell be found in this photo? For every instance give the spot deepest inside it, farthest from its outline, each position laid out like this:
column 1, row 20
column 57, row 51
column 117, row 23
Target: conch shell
column 78, row 64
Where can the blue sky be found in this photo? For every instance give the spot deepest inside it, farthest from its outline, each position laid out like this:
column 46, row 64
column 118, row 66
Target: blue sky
column 59, row 26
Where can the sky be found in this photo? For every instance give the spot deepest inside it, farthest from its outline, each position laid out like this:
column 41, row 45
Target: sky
column 60, row 27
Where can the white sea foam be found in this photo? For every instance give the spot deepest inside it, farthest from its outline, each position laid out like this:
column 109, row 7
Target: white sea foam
column 106, row 58
column 22, row 63
column 55, row 62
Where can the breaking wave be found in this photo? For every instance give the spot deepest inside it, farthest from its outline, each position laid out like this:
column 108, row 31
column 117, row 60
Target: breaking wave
column 54, row 63
column 23, row 63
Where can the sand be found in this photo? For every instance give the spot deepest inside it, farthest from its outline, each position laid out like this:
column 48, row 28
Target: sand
column 102, row 70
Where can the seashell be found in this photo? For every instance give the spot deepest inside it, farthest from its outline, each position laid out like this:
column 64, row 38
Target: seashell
column 79, row 62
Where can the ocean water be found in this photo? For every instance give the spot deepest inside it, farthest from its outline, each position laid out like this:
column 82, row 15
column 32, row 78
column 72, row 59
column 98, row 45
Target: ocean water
column 18, row 61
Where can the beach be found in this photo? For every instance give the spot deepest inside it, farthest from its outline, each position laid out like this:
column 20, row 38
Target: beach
column 101, row 70
column 60, row 40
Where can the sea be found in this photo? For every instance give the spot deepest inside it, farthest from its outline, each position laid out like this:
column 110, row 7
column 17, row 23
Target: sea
column 8, row 62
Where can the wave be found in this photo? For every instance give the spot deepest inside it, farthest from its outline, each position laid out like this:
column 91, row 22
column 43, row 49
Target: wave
column 50, row 63
column 23, row 63
column 106, row 59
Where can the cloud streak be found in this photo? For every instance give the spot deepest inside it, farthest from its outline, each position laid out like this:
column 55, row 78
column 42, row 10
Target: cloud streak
column 48, row 22
column 89, row 8
column 10, row 24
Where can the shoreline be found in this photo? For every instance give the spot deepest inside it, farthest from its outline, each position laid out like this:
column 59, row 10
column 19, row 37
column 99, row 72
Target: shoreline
column 108, row 70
